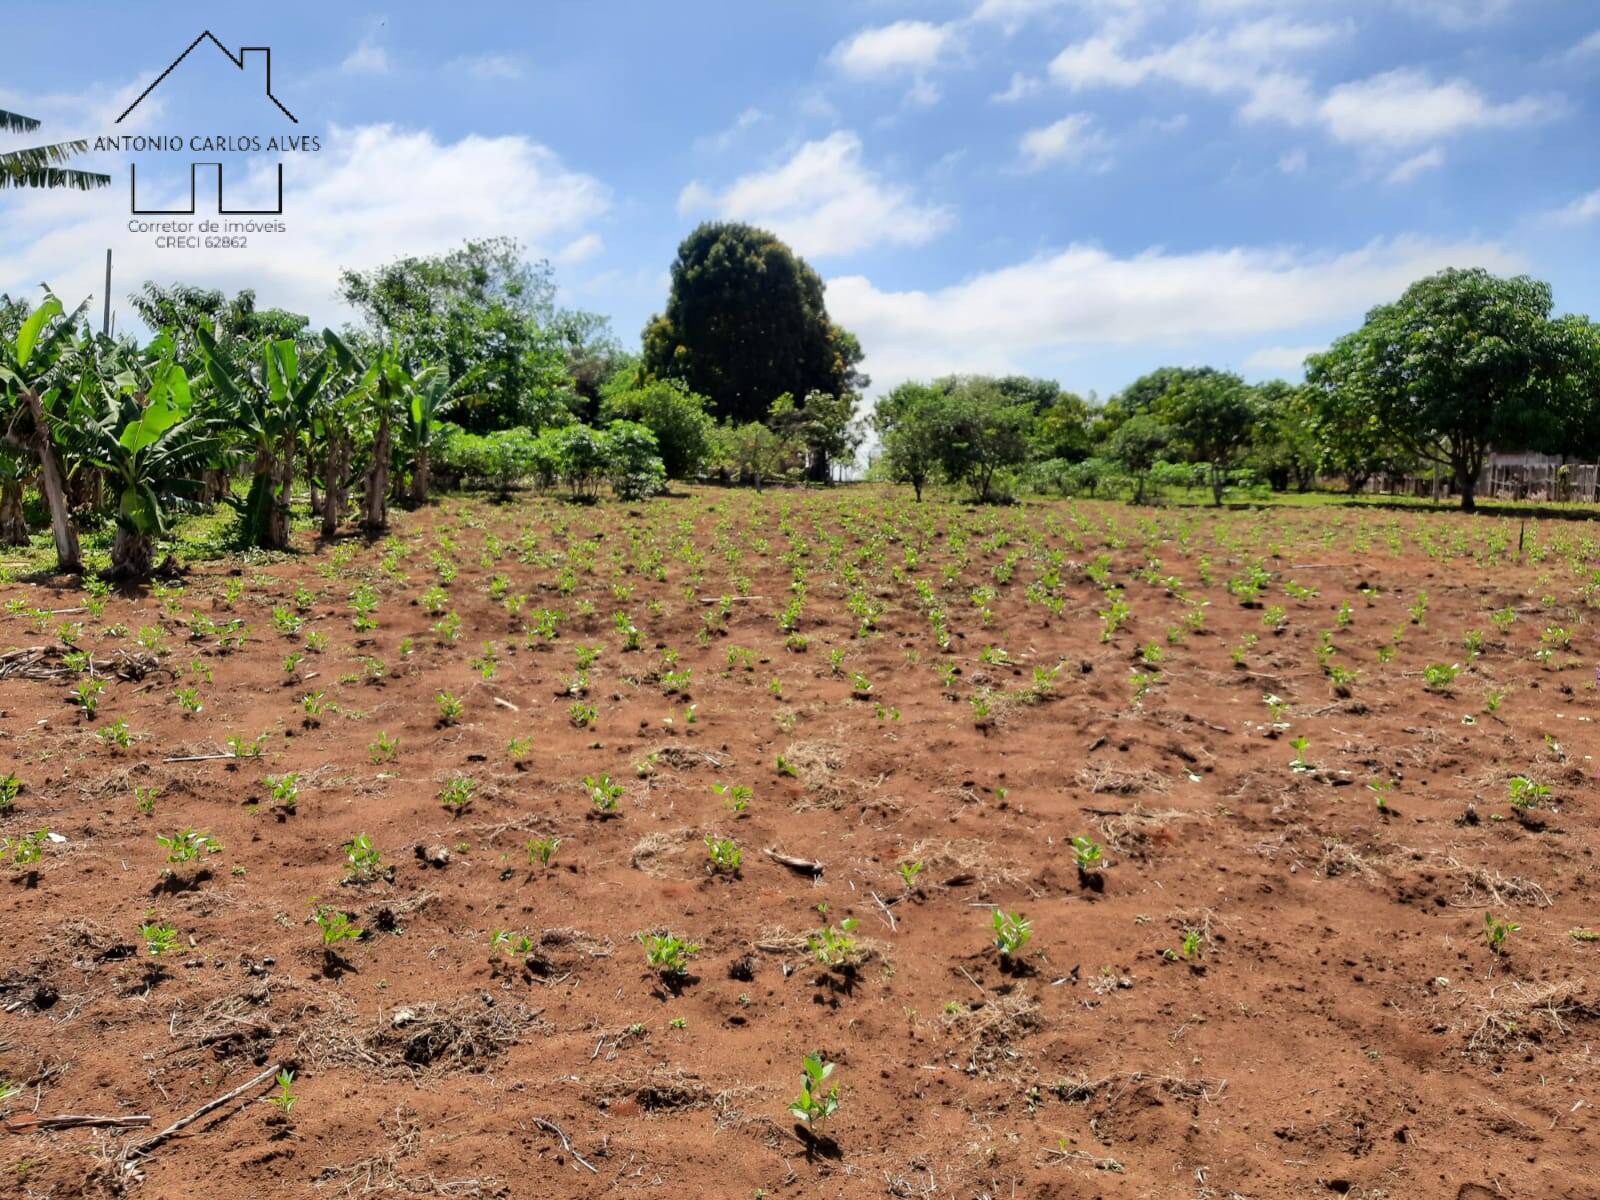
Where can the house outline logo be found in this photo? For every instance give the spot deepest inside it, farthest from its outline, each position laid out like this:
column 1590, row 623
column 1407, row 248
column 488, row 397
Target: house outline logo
column 239, row 60
column 236, row 59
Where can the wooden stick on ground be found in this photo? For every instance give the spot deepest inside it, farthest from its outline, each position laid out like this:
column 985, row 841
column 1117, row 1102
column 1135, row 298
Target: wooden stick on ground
column 804, row 865
column 566, row 1142
column 73, row 1121
column 181, row 1123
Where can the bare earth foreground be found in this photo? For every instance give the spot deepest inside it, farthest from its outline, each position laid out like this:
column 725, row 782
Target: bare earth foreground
column 1273, row 986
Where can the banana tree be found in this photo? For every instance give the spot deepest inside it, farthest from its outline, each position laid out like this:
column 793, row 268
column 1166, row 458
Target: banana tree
column 27, row 373
column 385, row 382
column 337, row 436
column 267, row 402
column 40, row 166
column 432, row 395
column 16, row 471
column 141, row 428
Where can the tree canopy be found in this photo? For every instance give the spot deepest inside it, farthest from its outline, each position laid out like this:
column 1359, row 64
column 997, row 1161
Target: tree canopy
column 746, row 323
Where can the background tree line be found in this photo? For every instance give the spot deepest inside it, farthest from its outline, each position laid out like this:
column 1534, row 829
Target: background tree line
column 1464, row 362
column 465, row 371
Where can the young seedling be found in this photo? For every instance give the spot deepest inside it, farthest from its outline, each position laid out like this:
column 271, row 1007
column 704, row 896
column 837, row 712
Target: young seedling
column 27, row 849
column 519, row 750
column 908, row 874
column 1382, row 788
column 815, row 1102
column 1088, row 854
column 603, row 794
column 457, row 794
column 186, row 845
column 336, row 926
column 736, row 797
column 285, row 790
column 1301, row 764
column 1439, row 676
column 159, row 937
column 542, row 850
column 384, row 750
column 669, row 955
column 1495, row 932
column 87, row 694
column 116, row 735
column 1525, row 793
column 284, row 1099
column 1012, row 931
column 450, row 708
column 362, row 859
column 724, row 854
column 834, row 946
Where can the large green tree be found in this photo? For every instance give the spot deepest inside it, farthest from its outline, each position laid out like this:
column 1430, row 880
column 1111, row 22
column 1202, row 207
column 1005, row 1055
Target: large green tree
column 985, row 433
column 1136, row 446
column 1284, row 445
column 481, row 308
column 1214, row 415
column 745, row 323
column 912, row 425
column 1463, row 362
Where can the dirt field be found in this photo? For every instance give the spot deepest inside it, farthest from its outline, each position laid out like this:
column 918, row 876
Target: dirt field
column 1278, row 981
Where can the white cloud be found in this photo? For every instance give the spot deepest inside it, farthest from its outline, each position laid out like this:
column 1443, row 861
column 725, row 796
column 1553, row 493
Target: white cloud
column 823, row 201
column 1406, row 107
column 1580, row 212
column 1292, row 162
column 1408, row 169
column 1398, row 109
column 94, row 110
column 905, row 46
column 580, row 248
column 488, row 66
column 374, row 192
column 1589, row 45
column 1246, row 58
column 724, row 139
column 368, row 58
column 1458, row 14
column 1072, row 139
column 1012, row 15
column 1021, row 87
column 1283, row 359
column 1084, row 296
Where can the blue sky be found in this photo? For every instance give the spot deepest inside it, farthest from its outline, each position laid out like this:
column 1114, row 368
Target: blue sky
column 1083, row 189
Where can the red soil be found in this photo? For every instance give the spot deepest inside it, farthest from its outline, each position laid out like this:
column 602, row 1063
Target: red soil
column 1341, row 1028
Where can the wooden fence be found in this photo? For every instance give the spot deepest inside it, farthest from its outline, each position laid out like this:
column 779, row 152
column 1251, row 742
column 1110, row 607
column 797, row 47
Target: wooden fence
column 1560, row 482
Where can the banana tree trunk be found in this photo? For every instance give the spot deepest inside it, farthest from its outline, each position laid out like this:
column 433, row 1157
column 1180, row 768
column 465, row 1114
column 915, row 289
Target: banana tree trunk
column 377, row 487
column 13, row 524
column 267, row 509
column 68, row 556
column 420, row 477
column 333, row 471
column 132, row 555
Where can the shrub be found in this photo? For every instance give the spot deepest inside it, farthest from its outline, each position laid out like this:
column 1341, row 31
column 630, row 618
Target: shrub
column 676, row 416
column 635, row 468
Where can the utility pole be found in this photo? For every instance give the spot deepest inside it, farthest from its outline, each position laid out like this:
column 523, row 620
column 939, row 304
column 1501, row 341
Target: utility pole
column 105, row 323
